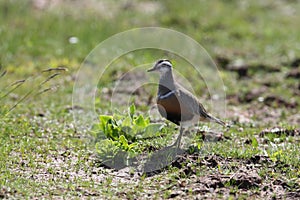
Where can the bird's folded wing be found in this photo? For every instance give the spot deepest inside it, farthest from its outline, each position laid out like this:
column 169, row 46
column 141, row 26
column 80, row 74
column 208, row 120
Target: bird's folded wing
column 190, row 103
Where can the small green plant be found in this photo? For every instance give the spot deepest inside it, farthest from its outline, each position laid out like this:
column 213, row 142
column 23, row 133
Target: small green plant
column 122, row 134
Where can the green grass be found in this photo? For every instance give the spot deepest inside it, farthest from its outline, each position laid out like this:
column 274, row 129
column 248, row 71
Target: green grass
column 43, row 154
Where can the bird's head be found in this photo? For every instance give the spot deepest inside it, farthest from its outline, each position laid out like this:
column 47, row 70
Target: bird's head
column 162, row 66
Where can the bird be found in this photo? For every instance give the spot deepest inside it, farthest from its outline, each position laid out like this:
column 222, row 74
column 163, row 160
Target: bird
column 177, row 104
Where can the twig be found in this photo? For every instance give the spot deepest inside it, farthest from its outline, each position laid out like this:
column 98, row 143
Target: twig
column 55, row 69
column 46, row 90
column 49, row 78
column 3, row 73
column 18, row 83
column 31, row 91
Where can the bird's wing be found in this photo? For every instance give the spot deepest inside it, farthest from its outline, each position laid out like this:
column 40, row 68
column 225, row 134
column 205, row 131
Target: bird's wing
column 189, row 102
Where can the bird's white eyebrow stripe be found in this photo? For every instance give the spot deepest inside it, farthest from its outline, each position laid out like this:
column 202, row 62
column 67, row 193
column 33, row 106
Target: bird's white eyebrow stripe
column 166, row 95
column 165, row 63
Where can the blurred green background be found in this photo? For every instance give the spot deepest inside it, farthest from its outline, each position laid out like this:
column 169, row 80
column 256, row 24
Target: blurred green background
column 256, row 45
column 39, row 30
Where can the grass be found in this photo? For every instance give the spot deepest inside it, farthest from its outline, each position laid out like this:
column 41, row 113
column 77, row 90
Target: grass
column 43, row 154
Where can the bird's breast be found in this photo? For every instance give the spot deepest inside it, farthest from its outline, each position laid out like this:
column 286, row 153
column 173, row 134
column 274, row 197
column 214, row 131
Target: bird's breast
column 173, row 109
column 170, row 104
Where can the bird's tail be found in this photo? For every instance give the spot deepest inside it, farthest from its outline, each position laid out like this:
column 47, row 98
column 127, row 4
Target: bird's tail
column 216, row 120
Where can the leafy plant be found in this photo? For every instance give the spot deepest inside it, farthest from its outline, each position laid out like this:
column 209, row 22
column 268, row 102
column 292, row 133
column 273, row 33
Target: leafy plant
column 121, row 134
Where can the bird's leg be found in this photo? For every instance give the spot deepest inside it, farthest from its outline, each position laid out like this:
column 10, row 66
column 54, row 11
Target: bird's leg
column 177, row 143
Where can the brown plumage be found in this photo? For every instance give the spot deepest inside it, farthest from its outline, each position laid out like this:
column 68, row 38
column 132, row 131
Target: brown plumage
column 176, row 103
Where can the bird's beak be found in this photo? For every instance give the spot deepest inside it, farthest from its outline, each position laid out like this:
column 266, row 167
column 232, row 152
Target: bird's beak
column 151, row 70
